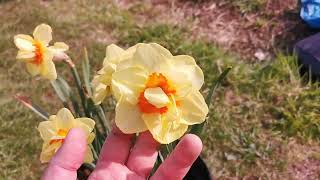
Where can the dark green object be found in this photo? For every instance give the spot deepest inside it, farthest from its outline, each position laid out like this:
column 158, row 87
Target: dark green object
column 197, row 129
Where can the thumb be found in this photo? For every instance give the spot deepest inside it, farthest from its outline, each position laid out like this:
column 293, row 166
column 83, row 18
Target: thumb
column 68, row 158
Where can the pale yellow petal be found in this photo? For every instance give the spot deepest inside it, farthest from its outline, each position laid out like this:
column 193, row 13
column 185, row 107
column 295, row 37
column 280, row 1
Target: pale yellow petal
column 64, row 119
column 187, row 66
column 182, row 85
column 87, row 121
column 108, row 69
column 24, row 42
column 45, row 157
column 100, row 92
column 43, row 33
column 163, row 130
column 91, row 138
column 156, row 97
column 125, row 61
column 48, row 69
column 173, row 113
column 128, row 118
column 25, row 55
column 193, row 109
column 148, row 57
column 88, row 157
column 104, row 75
column 59, row 47
column 33, row 69
column 113, row 54
column 47, row 130
column 86, row 129
column 129, row 83
column 165, row 52
column 102, row 83
column 48, row 151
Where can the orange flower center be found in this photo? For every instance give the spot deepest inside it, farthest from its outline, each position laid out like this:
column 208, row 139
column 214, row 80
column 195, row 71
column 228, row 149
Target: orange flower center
column 155, row 80
column 61, row 132
column 39, row 51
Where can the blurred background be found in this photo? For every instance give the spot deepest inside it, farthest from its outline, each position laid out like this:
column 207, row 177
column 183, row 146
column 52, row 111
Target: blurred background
column 265, row 120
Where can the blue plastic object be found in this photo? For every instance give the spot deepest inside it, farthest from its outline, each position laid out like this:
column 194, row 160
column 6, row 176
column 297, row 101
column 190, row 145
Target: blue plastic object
column 310, row 12
column 308, row 53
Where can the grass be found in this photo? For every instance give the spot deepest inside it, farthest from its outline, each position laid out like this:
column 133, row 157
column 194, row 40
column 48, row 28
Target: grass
column 257, row 112
column 245, row 6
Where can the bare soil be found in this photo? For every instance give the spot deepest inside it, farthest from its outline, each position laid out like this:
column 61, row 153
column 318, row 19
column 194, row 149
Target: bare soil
column 254, row 35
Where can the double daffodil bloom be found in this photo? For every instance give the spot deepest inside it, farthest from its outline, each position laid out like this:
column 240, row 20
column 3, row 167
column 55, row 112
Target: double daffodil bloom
column 55, row 130
column 34, row 51
column 158, row 92
column 116, row 58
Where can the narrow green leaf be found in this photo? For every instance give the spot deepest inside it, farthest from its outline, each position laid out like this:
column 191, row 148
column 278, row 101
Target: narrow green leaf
column 86, row 72
column 98, row 112
column 157, row 164
column 94, row 152
column 106, row 126
column 64, row 92
column 197, row 128
column 215, row 85
column 80, row 90
column 61, row 94
column 28, row 103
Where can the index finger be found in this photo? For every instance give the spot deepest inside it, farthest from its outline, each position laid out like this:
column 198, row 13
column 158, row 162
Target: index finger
column 177, row 165
column 116, row 148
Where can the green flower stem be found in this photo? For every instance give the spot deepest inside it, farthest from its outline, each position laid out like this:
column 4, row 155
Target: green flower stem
column 79, row 85
column 197, row 128
column 75, row 105
column 98, row 142
column 102, row 118
column 94, row 153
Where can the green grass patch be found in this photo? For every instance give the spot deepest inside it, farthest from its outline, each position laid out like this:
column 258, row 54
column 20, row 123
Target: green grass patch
column 248, row 6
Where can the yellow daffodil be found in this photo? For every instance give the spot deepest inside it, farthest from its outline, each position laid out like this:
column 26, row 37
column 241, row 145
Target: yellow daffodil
column 55, row 130
column 115, row 58
column 158, row 92
column 34, row 51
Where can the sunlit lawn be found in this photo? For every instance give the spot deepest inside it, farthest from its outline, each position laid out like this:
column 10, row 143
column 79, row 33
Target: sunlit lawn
column 260, row 114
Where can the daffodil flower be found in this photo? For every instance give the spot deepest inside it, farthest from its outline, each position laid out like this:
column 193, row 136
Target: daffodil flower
column 116, row 58
column 54, row 131
column 34, row 51
column 158, row 92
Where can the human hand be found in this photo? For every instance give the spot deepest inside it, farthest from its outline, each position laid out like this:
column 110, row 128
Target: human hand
column 120, row 161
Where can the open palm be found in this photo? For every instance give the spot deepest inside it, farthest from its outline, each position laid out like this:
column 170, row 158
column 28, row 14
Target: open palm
column 120, row 160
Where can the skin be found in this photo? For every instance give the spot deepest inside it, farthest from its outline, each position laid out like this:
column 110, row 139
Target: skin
column 120, row 160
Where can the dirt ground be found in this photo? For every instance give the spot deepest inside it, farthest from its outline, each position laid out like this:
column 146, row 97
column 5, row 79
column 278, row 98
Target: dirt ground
column 256, row 35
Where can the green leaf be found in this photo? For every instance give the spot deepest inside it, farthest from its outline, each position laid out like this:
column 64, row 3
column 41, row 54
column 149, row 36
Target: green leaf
column 81, row 92
column 62, row 89
column 157, row 164
column 197, row 128
column 98, row 112
column 86, row 72
column 29, row 104
column 215, row 85
column 64, row 92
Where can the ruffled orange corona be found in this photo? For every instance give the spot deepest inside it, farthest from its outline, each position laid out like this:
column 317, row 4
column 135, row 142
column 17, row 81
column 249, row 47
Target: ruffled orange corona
column 159, row 92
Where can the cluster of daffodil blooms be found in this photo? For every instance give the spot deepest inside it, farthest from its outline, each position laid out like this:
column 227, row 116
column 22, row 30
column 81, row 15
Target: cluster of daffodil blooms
column 38, row 56
column 153, row 91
